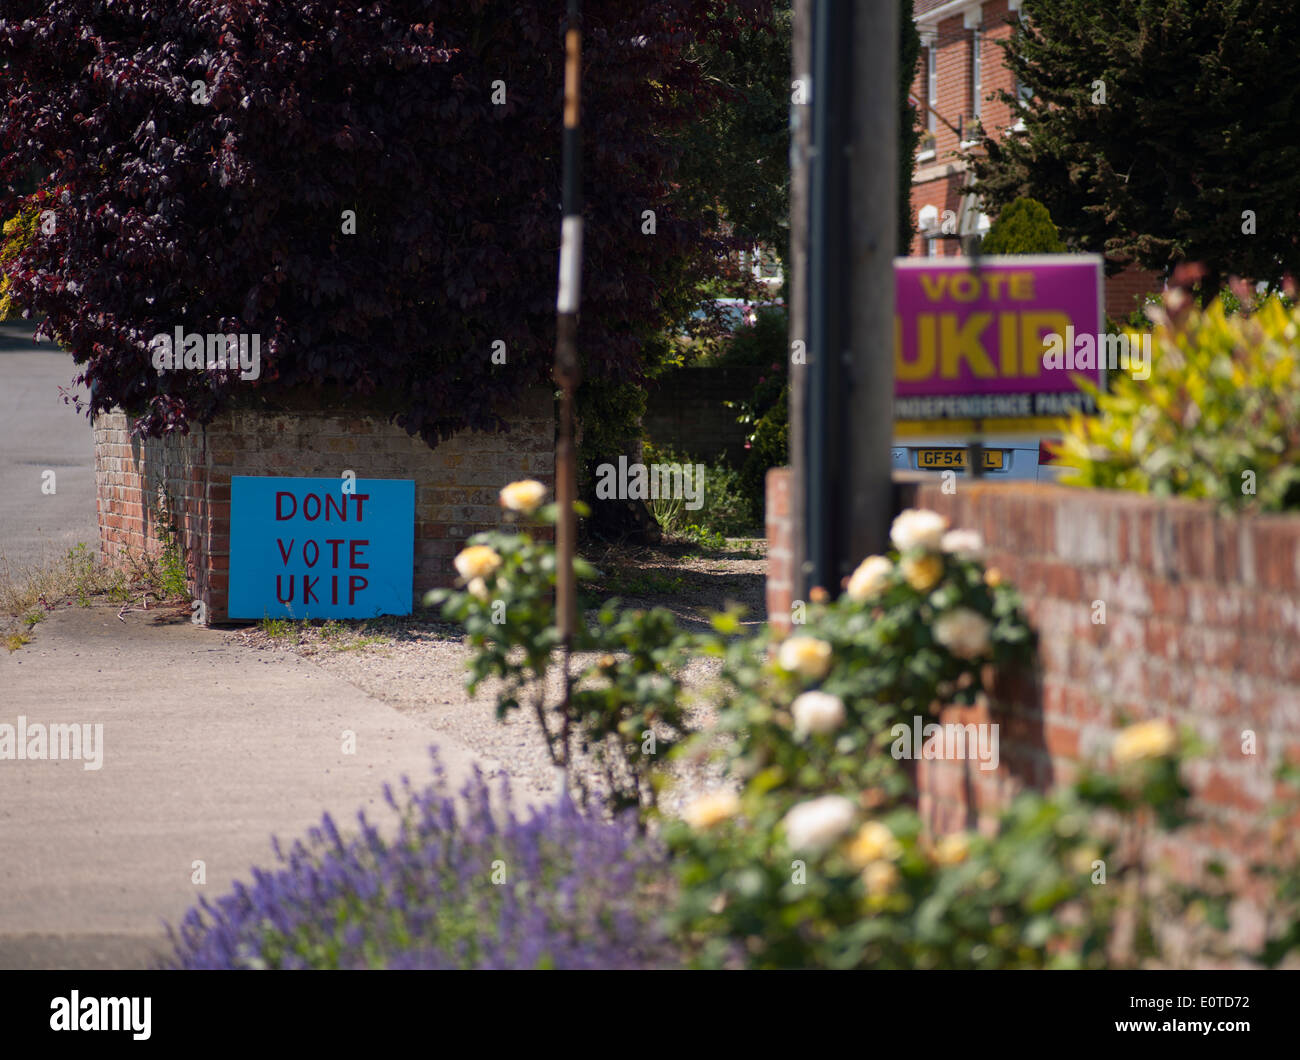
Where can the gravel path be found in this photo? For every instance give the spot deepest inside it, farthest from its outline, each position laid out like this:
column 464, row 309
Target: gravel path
column 418, row 665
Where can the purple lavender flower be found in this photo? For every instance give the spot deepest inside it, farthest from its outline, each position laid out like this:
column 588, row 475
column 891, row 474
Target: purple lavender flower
column 477, row 888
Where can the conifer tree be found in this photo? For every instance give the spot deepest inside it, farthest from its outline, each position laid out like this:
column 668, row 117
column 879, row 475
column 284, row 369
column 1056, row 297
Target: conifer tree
column 1160, row 131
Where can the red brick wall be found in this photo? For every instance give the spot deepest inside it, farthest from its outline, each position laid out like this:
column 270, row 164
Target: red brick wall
column 1126, row 291
column 780, row 548
column 1202, row 628
column 456, row 485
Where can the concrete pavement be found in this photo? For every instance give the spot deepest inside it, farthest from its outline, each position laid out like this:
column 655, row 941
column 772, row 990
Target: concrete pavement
column 208, row 749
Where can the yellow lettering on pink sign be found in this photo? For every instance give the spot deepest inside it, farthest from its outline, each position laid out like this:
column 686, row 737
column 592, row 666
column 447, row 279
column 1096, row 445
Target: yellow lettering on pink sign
column 958, row 344
column 1032, row 328
column 923, row 365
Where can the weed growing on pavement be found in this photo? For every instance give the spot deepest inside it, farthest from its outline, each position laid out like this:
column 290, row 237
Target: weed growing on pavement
column 276, row 628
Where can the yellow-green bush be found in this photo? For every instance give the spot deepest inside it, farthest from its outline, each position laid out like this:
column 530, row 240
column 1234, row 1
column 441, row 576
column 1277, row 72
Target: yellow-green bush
column 1219, row 417
column 19, row 232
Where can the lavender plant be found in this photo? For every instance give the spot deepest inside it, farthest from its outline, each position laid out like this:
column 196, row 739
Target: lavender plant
column 464, row 884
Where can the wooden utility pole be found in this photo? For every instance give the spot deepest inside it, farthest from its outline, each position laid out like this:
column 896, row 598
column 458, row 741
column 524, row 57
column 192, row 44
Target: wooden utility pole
column 566, row 349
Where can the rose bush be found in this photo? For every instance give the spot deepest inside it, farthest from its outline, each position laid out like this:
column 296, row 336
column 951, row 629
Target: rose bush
column 812, row 853
column 625, row 712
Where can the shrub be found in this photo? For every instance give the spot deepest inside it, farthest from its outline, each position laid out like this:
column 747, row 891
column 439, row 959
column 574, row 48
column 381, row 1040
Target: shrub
column 1219, row 417
column 19, row 232
column 727, row 511
column 768, row 442
column 765, row 341
column 819, row 858
column 888, row 657
column 880, row 894
column 1024, row 227
column 616, row 709
column 458, row 887
column 207, row 153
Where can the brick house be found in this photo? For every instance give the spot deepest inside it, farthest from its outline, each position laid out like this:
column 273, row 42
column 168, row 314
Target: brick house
column 959, row 71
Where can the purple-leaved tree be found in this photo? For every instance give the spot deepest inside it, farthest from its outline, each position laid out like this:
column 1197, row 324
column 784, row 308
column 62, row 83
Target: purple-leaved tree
column 372, row 189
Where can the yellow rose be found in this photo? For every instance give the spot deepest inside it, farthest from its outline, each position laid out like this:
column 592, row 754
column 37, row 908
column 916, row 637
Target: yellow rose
column 870, row 578
column 807, row 656
column 952, row 849
column 1081, row 859
column 1150, row 739
column 713, row 808
column 478, row 589
column 524, row 496
column 874, row 842
column 881, row 878
column 922, row 573
column 477, row 561
column 993, row 577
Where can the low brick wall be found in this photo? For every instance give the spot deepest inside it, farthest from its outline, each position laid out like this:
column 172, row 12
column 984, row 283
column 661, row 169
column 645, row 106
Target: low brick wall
column 1201, row 627
column 144, row 488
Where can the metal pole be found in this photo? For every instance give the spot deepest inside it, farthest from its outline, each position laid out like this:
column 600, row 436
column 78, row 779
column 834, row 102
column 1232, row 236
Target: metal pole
column 828, row 294
column 566, row 351
column 869, row 396
column 797, row 270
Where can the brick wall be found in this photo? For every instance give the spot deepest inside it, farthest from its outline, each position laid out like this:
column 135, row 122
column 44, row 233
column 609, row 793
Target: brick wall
column 1126, row 291
column 780, row 547
column 684, row 411
column 1202, row 627
column 144, row 488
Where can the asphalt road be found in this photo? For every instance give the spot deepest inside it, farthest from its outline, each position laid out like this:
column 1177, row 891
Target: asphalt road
column 39, row 433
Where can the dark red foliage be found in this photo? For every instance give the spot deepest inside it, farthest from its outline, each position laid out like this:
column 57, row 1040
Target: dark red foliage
column 226, row 216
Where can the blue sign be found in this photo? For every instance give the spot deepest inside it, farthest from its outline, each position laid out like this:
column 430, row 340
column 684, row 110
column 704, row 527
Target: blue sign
column 321, row 547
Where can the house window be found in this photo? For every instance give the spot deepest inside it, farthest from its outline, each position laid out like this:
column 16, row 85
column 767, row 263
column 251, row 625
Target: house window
column 976, row 89
column 1023, row 92
column 932, row 86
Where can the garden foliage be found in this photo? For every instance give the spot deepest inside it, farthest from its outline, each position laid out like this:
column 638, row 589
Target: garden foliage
column 372, row 188
column 1024, row 227
column 1218, row 419
column 810, row 854
column 1157, row 132
column 465, row 883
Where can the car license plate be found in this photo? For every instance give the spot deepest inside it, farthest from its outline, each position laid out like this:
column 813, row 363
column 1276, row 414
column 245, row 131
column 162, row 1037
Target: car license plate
column 941, row 458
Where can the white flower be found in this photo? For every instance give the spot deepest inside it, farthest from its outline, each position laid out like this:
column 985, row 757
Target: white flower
column 963, row 632
column 817, row 824
column 477, row 561
column 806, row 656
column 523, row 496
column 918, row 528
column 964, row 544
column 870, row 578
column 817, row 712
column 713, row 808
